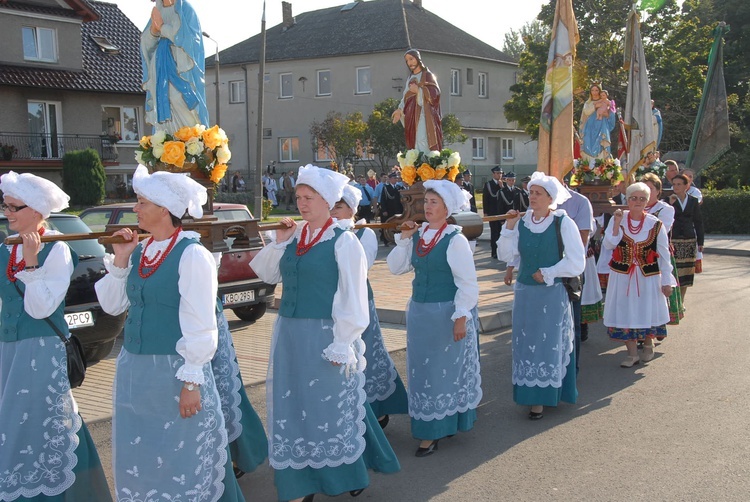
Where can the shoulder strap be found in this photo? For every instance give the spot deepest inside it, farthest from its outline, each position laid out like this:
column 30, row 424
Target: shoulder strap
column 51, row 324
column 558, row 223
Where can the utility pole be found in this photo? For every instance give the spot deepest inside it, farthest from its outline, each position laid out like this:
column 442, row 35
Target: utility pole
column 258, row 206
column 216, row 79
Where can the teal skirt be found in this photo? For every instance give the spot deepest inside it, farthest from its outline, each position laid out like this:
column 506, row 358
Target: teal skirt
column 550, row 396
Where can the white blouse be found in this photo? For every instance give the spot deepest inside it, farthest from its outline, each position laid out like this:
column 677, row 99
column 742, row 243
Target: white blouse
column 460, row 259
column 198, row 286
column 666, row 214
column 369, row 240
column 46, row 286
column 574, row 255
column 350, row 312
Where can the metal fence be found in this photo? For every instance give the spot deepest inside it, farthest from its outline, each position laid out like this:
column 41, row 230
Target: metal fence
column 54, row 146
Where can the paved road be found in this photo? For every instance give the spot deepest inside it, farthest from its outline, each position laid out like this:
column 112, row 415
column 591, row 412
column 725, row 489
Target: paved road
column 675, row 429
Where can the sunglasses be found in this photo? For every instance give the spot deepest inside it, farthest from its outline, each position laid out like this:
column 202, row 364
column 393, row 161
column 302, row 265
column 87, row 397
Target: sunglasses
column 635, row 198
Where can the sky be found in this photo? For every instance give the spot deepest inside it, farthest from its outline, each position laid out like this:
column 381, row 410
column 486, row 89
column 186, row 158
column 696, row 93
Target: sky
column 232, row 21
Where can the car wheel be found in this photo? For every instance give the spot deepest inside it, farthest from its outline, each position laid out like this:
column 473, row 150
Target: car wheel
column 251, row 313
column 98, row 352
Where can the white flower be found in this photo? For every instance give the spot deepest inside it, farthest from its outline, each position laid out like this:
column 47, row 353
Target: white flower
column 139, row 156
column 433, row 153
column 194, row 146
column 401, row 160
column 223, row 154
column 610, row 174
column 443, row 164
column 617, row 162
column 576, row 162
column 158, row 139
column 411, row 157
column 454, row 160
column 159, row 150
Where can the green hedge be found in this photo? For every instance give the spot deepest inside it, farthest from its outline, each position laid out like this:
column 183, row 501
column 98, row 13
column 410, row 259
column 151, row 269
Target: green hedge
column 726, row 211
column 83, row 177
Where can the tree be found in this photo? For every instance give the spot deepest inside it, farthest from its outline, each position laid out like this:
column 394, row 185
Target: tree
column 386, row 138
column 83, row 177
column 344, row 136
column 452, row 132
column 514, row 43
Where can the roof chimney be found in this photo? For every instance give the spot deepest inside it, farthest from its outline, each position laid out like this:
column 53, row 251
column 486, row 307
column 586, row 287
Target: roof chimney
column 417, row 3
column 286, row 11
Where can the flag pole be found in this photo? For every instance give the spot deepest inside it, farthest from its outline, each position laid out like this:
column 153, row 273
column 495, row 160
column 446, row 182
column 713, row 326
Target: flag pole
column 258, row 205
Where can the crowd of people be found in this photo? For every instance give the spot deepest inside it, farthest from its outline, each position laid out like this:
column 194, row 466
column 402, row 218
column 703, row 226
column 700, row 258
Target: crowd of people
column 332, row 385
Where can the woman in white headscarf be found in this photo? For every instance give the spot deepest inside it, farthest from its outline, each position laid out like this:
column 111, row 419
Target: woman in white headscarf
column 322, row 435
column 385, row 390
column 47, row 452
column 442, row 356
column 168, row 430
column 543, row 334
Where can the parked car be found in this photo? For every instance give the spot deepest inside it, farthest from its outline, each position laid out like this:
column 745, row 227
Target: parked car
column 239, row 288
column 96, row 329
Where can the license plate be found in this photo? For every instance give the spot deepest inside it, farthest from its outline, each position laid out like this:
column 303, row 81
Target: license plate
column 239, row 297
column 79, row 320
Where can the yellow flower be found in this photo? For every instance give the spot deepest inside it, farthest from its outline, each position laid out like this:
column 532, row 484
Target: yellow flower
column 214, row 137
column 174, row 153
column 440, row 173
column 218, row 172
column 426, row 172
column 187, row 133
column 409, row 174
column 145, row 141
column 452, row 173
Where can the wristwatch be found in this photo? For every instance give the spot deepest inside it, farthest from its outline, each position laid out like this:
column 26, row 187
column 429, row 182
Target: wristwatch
column 191, row 386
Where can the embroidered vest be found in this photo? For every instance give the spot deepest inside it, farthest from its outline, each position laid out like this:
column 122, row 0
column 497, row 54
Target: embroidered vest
column 537, row 251
column 642, row 254
column 155, row 304
column 433, row 280
column 15, row 323
column 359, row 233
column 310, row 281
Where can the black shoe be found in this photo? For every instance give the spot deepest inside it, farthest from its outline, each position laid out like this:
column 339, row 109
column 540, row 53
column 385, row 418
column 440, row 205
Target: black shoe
column 309, row 498
column 384, row 421
column 356, row 493
column 423, row 452
column 584, row 332
column 238, row 473
column 533, row 415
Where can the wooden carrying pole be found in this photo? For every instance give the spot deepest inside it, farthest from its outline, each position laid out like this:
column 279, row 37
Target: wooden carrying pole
column 107, row 237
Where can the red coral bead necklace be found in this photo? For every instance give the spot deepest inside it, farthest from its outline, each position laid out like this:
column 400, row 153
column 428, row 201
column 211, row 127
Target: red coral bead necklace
column 303, row 248
column 17, row 266
column 423, row 249
column 154, row 263
column 634, row 229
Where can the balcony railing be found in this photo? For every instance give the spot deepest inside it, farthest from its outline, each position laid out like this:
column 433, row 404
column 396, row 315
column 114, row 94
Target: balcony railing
column 54, row 146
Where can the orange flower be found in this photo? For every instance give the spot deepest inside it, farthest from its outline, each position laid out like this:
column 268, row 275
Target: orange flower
column 218, row 172
column 145, row 141
column 426, row 172
column 409, row 175
column 174, row 153
column 187, row 133
column 440, row 173
column 453, row 172
column 214, row 137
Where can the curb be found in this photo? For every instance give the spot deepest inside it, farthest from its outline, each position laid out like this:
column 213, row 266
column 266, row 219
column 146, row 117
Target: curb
column 726, row 251
column 487, row 322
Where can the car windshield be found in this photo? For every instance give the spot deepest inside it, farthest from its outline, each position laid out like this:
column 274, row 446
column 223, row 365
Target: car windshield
column 67, row 225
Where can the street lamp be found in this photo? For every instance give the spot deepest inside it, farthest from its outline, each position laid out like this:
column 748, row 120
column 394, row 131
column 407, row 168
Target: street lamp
column 216, row 65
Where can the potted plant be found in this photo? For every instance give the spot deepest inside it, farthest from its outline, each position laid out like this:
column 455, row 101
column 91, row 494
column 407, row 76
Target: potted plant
column 7, row 151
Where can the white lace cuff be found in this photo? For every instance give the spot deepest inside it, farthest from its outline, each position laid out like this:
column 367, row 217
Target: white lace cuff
column 401, row 241
column 341, row 353
column 191, row 373
column 459, row 313
column 549, row 279
column 29, row 276
column 117, row 272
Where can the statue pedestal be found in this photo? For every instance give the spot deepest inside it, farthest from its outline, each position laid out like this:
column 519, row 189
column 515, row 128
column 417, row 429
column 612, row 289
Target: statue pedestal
column 598, row 192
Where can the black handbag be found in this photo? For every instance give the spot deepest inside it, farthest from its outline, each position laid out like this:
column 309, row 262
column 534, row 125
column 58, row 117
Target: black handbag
column 76, row 360
column 573, row 285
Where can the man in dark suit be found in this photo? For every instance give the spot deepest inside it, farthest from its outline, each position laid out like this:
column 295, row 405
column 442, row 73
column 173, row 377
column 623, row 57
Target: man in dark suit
column 507, row 195
column 490, row 197
column 390, row 202
column 469, row 187
column 521, row 202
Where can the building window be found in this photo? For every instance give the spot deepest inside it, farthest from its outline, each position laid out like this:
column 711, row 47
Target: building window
column 324, row 152
column 289, row 149
column 45, row 124
column 363, row 81
column 469, row 76
column 121, row 122
column 507, row 147
column 236, row 91
column 455, row 82
column 39, row 44
column 482, row 85
column 477, row 148
column 324, row 82
column 286, row 90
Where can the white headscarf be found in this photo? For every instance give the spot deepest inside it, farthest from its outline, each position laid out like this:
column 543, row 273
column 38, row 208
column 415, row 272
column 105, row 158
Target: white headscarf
column 40, row 194
column 454, row 197
column 329, row 184
column 352, row 196
column 552, row 186
column 177, row 192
